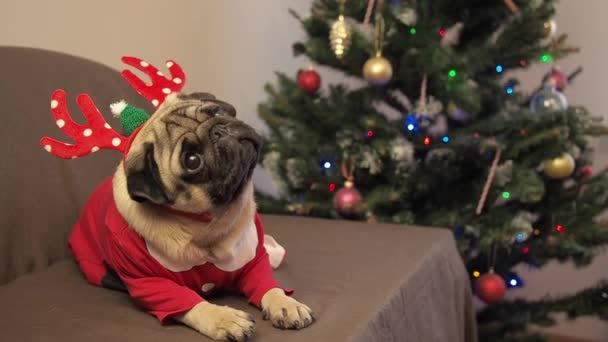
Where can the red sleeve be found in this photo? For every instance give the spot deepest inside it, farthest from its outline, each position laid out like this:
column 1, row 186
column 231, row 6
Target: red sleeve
column 256, row 278
column 159, row 296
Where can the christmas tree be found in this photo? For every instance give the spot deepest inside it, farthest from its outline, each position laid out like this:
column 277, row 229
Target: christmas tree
column 437, row 133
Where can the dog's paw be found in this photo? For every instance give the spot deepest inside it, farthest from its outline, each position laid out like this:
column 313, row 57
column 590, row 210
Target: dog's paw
column 285, row 312
column 221, row 323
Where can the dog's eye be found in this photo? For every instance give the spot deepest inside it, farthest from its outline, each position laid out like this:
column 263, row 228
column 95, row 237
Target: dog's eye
column 212, row 110
column 192, row 161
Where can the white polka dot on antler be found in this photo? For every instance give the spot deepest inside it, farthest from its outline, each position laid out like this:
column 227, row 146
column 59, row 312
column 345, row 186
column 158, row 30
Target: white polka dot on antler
column 87, row 132
column 54, row 104
column 74, row 157
column 107, row 125
column 155, row 102
column 177, row 80
column 116, row 141
column 48, row 148
column 169, row 64
column 95, row 149
column 166, row 90
column 159, row 73
column 143, row 64
column 60, row 123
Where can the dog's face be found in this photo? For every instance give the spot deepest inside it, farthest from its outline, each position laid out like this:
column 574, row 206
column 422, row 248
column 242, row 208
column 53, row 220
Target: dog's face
column 192, row 154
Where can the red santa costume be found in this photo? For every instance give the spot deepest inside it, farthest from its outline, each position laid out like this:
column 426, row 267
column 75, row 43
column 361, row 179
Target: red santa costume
column 104, row 245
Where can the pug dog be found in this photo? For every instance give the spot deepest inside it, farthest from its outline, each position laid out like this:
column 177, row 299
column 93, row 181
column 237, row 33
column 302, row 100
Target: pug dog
column 180, row 222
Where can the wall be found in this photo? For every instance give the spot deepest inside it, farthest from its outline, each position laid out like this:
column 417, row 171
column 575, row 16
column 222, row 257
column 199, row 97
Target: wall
column 231, row 48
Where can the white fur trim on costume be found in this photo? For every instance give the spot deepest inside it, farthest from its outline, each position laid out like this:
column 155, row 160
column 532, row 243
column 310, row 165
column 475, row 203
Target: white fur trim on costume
column 276, row 252
column 238, row 255
column 118, row 107
column 243, row 250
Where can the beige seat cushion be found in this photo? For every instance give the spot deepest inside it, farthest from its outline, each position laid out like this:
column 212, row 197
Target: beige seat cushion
column 366, row 282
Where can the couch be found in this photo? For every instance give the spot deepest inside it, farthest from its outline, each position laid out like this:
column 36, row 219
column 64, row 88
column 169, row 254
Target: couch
column 366, row 282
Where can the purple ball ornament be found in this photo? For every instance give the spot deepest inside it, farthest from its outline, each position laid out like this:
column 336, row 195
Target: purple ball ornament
column 458, row 114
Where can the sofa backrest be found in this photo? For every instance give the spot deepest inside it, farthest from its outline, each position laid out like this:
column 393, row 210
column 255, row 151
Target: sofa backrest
column 40, row 195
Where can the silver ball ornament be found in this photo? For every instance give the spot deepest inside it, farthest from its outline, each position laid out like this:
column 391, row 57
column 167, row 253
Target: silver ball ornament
column 548, row 100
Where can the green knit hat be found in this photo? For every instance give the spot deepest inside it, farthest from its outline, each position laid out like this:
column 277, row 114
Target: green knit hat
column 130, row 117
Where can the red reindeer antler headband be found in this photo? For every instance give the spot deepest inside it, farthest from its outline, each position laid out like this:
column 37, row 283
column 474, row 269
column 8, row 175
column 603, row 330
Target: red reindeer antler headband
column 97, row 134
column 161, row 86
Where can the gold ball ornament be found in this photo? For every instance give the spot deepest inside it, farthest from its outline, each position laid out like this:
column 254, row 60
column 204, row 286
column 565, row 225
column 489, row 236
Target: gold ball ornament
column 549, row 28
column 377, row 70
column 560, row 167
column 340, row 37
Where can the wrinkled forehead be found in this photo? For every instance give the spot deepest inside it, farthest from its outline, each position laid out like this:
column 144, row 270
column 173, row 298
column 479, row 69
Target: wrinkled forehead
column 202, row 101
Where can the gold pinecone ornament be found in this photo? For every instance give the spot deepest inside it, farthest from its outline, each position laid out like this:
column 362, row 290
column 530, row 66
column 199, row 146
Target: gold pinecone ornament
column 340, row 34
column 549, row 28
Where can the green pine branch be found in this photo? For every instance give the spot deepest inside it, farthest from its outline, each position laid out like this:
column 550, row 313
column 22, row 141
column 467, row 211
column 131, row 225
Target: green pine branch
column 510, row 318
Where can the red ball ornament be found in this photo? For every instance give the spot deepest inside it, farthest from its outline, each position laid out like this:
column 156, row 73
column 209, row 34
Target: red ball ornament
column 558, row 79
column 586, row 172
column 347, row 200
column 309, row 81
column 490, row 288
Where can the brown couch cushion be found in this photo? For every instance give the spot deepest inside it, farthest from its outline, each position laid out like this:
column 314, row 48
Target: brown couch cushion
column 365, row 282
column 42, row 195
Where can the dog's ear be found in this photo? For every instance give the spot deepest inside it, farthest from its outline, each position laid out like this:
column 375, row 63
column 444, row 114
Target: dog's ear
column 143, row 178
column 226, row 107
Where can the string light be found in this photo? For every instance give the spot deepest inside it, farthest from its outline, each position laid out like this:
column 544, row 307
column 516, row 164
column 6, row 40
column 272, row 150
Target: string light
column 506, row 195
column 546, row 58
column 445, row 139
column 536, row 232
column 331, row 187
column 452, row 73
column 523, row 131
column 370, row 134
column 476, row 274
column 442, row 32
column 476, row 135
column 327, row 164
column 499, row 68
column 525, row 250
column 411, row 123
column 427, row 141
column 520, row 237
column 458, row 232
column 523, row 62
column 514, row 281
column 559, row 228
column 509, row 90
column 413, row 31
